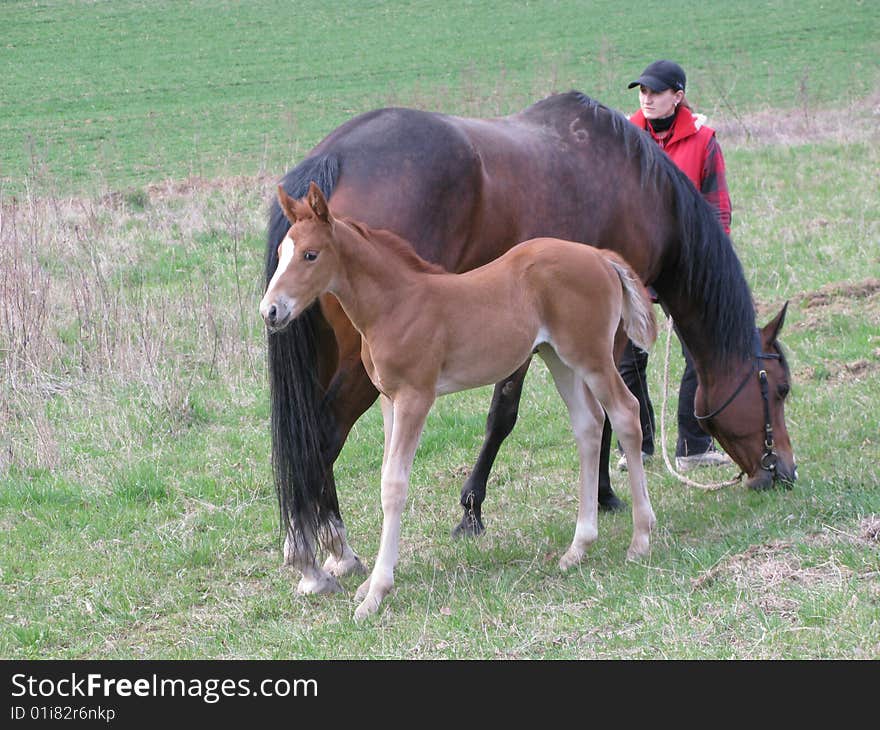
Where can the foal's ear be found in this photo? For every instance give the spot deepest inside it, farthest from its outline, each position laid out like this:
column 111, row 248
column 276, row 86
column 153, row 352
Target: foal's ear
column 770, row 331
column 288, row 204
column 318, row 203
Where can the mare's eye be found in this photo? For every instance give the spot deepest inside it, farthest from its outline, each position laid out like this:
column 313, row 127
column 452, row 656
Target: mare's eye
column 783, row 389
column 310, row 255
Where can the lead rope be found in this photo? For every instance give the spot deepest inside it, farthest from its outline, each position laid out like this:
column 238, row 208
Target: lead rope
column 683, row 479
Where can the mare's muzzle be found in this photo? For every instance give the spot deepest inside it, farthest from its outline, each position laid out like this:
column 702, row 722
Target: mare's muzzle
column 771, row 469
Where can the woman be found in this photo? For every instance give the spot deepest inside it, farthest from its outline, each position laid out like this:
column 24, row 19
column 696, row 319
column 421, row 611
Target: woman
column 665, row 114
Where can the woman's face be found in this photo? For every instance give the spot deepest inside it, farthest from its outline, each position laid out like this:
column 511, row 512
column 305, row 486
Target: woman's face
column 658, row 104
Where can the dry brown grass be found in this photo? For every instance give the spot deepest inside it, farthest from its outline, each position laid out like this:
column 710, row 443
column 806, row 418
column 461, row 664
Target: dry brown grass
column 799, row 126
column 76, row 320
column 763, row 569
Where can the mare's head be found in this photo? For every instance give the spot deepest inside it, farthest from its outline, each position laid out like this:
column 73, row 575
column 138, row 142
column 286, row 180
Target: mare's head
column 745, row 412
column 307, row 259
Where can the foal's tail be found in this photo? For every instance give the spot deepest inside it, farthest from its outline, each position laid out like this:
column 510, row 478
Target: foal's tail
column 638, row 313
column 300, row 429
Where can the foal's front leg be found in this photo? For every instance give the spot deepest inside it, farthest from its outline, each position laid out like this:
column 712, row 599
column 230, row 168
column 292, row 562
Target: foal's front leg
column 407, row 414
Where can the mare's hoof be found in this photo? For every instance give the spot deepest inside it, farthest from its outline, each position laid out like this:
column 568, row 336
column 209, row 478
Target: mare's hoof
column 470, row 526
column 611, row 503
column 351, row 565
column 322, row 585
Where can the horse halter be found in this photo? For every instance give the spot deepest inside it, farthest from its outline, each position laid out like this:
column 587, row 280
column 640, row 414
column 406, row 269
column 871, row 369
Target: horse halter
column 768, row 458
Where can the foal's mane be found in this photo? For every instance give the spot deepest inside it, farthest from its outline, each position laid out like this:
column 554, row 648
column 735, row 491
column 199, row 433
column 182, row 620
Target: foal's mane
column 385, row 240
column 706, row 267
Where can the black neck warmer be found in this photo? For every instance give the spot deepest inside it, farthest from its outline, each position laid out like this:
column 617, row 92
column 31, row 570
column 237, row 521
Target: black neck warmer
column 662, row 125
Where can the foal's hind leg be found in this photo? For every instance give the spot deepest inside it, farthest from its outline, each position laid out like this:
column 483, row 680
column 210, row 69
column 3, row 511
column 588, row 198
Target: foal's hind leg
column 586, row 417
column 623, row 412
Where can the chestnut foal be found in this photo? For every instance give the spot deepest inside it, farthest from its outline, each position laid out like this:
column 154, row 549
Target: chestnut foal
column 426, row 332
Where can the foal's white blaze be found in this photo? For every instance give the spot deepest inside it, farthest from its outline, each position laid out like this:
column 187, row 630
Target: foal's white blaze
column 287, row 251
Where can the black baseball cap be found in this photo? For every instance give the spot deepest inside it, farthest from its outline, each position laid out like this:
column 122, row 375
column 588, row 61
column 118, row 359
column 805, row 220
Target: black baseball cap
column 661, row 75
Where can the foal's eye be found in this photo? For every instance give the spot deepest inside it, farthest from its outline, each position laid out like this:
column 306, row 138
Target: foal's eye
column 310, row 255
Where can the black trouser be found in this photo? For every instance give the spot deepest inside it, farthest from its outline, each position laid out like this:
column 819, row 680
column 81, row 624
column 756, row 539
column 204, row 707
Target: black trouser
column 633, row 369
column 692, row 439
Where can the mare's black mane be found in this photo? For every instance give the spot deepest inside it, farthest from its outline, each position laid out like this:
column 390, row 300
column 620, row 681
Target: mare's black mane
column 706, row 268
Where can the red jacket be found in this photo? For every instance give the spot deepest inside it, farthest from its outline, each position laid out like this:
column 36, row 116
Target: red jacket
column 694, row 149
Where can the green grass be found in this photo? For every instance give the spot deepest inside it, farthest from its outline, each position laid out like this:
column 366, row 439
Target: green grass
column 136, row 504
column 123, row 93
column 139, row 515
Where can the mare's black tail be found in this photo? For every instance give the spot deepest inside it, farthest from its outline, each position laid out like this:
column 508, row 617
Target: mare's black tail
column 298, row 425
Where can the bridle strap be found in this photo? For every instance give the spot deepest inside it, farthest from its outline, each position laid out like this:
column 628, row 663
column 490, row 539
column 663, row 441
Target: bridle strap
column 768, row 458
column 730, row 399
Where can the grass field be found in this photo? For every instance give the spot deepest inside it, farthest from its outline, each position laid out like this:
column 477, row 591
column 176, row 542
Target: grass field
column 108, row 94
column 139, row 143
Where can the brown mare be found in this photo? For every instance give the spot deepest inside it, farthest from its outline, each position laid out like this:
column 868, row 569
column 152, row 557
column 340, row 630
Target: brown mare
column 463, row 191
column 426, row 333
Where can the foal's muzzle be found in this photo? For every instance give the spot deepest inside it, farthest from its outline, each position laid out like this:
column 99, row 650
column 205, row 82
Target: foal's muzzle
column 276, row 313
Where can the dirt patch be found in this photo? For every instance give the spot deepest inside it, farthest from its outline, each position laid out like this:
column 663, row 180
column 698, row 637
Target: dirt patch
column 188, row 186
column 836, row 290
column 865, row 533
column 859, row 299
column 860, row 367
column 869, row 529
column 765, row 567
column 765, row 570
column 798, row 126
column 847, row 372
column 833, row 298
column 838, row 296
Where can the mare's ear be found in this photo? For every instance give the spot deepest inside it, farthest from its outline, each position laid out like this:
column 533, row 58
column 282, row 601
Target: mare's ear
column 770, row 331
column 318, row 203
column 288, row 205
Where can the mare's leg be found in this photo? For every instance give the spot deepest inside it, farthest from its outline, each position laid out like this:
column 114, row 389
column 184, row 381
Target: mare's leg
column 300, row 543
column 499, row 423
column 408, row 414
column 608, row 500
column 298, row 549
column 349, row 393
column 622, row 408
column 586, row 417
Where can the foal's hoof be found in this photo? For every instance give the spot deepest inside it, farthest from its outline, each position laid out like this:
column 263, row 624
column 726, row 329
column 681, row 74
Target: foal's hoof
column 367, row 608
column 470, row 526
column 571, row 558
column 611, row 503
column 639, row 550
